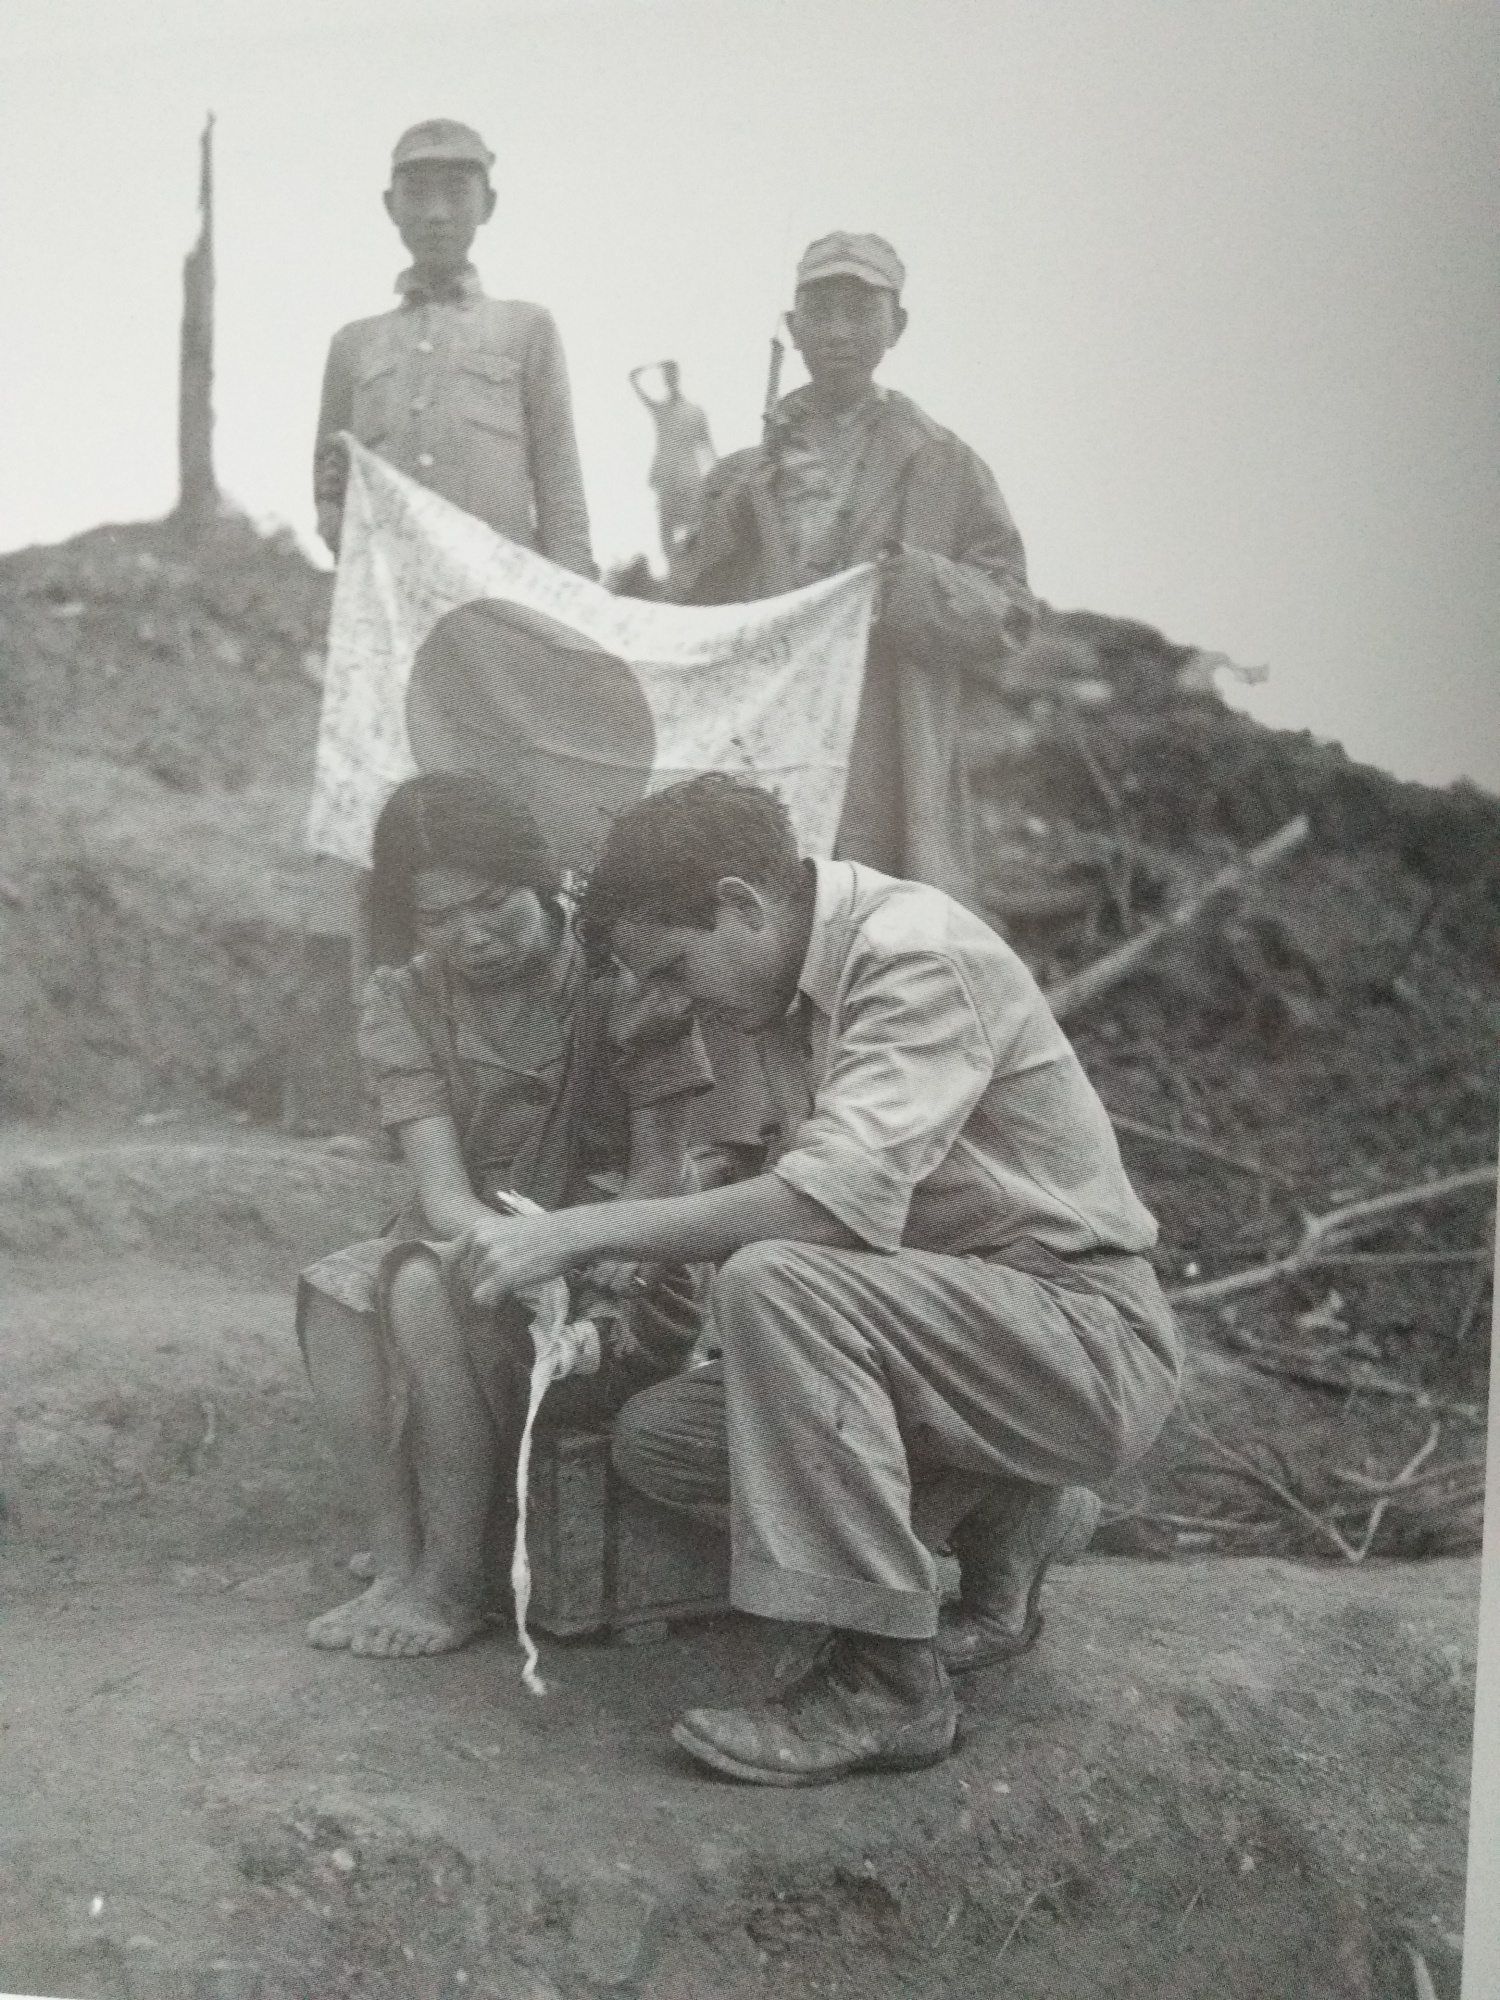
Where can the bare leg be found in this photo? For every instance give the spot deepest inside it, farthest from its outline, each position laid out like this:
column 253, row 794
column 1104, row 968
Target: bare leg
column 353, row 1391
column 455, row 1451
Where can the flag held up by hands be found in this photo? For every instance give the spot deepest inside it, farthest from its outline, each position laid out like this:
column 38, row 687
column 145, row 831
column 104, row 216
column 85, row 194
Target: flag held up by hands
column 453, row 648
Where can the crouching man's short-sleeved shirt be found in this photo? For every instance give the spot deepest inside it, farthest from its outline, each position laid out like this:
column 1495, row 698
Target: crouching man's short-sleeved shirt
column 927, row 1096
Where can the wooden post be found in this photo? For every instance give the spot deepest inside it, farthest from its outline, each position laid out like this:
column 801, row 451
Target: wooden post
column 198, row 493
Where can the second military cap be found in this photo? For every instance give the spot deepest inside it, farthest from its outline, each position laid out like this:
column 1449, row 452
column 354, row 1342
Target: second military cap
column 847, row 255
column 442, row 139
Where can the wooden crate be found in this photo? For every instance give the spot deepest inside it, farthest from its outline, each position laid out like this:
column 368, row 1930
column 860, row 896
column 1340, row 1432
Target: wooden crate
column 602, row 1556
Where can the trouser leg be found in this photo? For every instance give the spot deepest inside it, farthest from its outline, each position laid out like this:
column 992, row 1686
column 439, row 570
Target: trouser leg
column 670, row 1443
column 848, row 1374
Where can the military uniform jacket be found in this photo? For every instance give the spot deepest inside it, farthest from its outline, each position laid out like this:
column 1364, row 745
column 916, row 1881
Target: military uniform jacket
column 470, row 396
column 961, row 607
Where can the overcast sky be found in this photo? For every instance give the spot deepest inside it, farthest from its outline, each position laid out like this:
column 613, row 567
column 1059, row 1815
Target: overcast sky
column 1211, row 284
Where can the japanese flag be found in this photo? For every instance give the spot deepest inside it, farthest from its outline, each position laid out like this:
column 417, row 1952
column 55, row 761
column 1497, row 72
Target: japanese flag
column 453, row 648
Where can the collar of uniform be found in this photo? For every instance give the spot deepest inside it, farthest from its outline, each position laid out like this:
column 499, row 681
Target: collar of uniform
column 798, row 406
column 463, row 289
column 833, row 899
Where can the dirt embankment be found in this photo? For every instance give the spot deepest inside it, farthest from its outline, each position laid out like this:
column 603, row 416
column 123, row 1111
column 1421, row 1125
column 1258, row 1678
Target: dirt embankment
column 158, row 912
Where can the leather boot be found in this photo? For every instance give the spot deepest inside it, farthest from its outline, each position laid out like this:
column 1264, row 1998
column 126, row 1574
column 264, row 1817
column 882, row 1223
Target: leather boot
column 863, row 1703
column 1004, row 1548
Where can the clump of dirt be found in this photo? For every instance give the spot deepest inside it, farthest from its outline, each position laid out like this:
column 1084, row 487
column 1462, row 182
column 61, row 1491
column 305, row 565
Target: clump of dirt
column 159, row 916
column 197, row 665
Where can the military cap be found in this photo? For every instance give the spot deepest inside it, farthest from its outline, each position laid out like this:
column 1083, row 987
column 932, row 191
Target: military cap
column 442, row 139
column 847, row 255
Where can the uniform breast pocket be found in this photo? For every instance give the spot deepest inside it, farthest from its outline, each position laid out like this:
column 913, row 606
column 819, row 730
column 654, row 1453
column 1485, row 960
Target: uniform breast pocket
column 489, row 388
column 374, row 402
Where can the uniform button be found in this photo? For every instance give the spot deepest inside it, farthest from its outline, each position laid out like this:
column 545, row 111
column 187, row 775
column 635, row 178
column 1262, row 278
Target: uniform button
column 424, row 347
column 424, row 459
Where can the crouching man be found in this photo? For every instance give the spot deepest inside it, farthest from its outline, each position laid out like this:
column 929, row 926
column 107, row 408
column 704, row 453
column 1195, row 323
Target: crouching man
column 937, row 1321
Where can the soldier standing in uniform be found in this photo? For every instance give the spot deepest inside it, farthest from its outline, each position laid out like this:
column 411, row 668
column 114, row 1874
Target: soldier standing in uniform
column 853, row 472
column 465, row 393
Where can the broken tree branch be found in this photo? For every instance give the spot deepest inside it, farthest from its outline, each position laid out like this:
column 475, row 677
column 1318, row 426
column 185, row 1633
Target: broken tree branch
column 1421, row 1977
column 1248, row 1469
column 1390, row 1257
column 1087, row 985
column 1377, row 1512
column 1048, row 1890
column 198, row 492
column 1471, row 1304
column 1186, row 1143
column 1324, row 1525
column 1321, row 1230
column 1292, row 1367
column 1091, row 764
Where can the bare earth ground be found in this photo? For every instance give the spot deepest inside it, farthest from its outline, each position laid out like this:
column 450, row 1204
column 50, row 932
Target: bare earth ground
column 1232, row 1780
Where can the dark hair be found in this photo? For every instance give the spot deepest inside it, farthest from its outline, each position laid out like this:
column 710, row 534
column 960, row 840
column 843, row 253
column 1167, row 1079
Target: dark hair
column 448, row 819
column 664, row 857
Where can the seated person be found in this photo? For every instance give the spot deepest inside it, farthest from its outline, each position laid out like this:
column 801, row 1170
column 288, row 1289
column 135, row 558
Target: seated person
column 499, row 1063
column 934, row 1305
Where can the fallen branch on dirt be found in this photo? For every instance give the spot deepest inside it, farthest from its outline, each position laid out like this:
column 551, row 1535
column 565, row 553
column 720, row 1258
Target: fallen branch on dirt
column 1468, row 1471
column 1471, row 1305
column 1185, row 1142
column 1047, row 1889
column 1366, row 1381
column 1321, row 1236
column 1087, row 985
column 1378, row 1258
column 1377, row 1512
column 1325, row 1526
column 1091, row 764
column 1421, row 1977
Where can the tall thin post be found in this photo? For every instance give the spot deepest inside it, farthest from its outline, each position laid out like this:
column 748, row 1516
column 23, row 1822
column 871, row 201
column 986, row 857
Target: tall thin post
column 198, row 492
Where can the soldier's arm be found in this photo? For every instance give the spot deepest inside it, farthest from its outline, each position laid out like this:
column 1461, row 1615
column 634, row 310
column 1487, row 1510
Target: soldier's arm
column 972, row 601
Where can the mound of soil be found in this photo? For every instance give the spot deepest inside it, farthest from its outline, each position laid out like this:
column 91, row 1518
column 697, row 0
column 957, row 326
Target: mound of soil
column 199, row 665
column 159, row 916
column 165, row 942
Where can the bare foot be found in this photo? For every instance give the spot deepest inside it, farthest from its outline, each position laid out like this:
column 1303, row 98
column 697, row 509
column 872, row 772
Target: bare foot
column 409, row 1624
column 336, row 1628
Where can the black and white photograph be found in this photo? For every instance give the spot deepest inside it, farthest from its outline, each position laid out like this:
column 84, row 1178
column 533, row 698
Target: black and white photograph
column 749, row 849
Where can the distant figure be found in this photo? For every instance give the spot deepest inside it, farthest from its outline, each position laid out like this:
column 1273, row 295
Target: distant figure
column 684, row 453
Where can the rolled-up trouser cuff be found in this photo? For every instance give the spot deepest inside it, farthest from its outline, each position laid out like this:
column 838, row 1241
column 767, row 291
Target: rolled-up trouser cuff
column 803, row 1599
